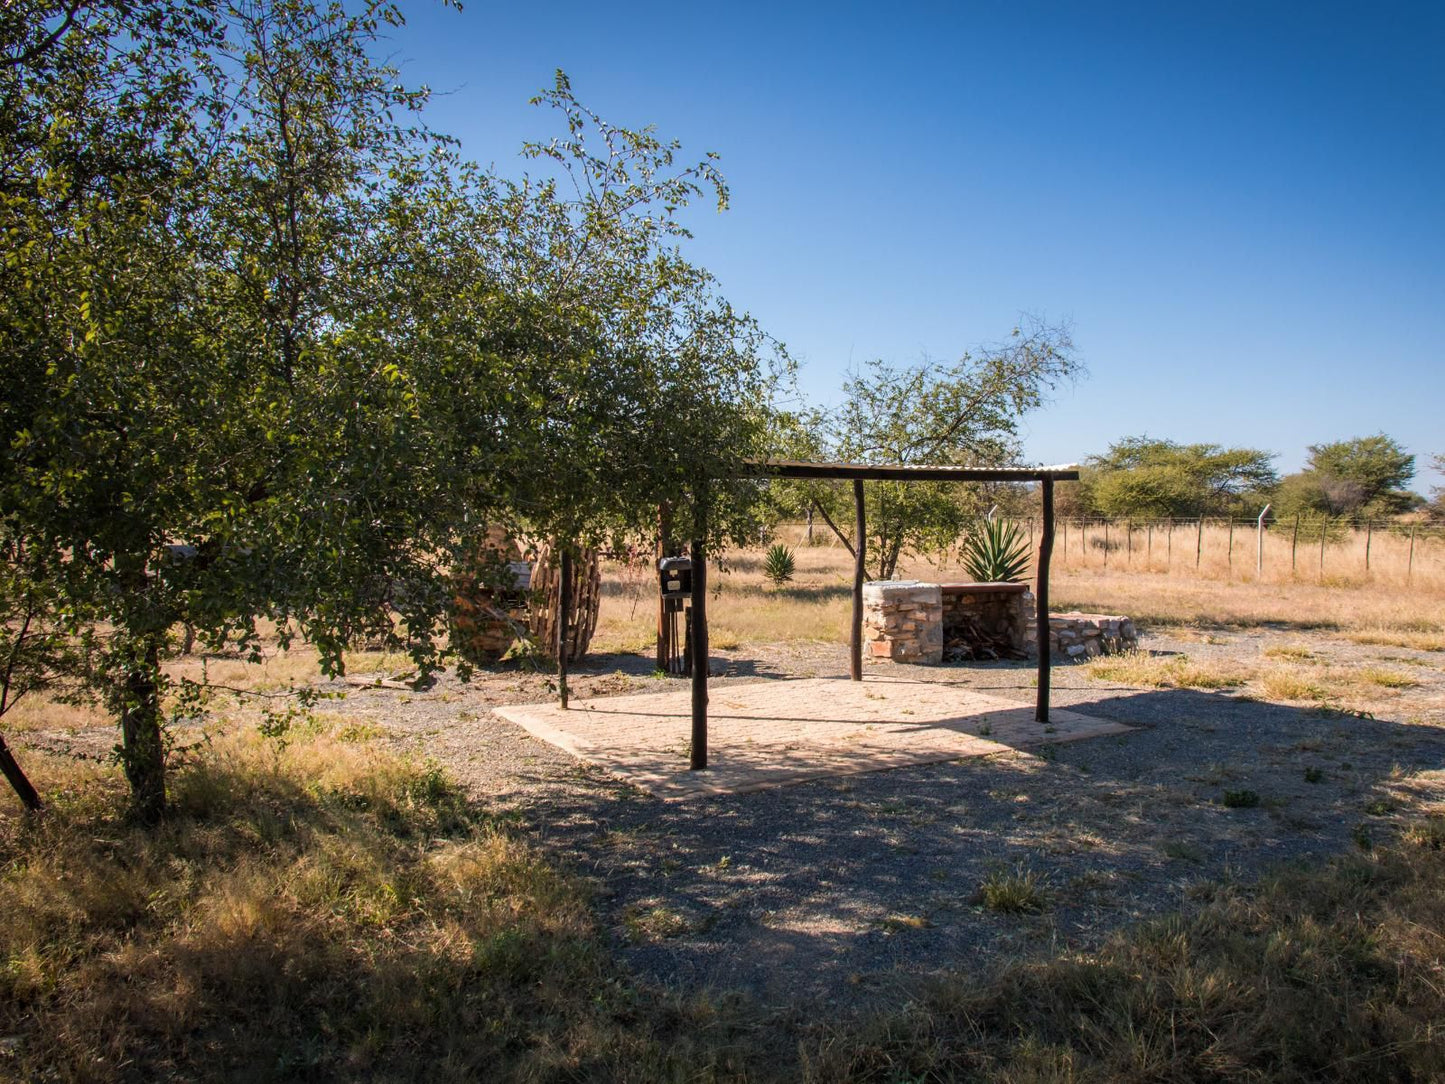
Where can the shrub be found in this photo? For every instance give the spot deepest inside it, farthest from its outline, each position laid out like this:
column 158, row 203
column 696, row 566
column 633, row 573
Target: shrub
column 778, row 565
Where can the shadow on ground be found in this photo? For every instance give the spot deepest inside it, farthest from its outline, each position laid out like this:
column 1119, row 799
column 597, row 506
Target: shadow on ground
column 844, row 887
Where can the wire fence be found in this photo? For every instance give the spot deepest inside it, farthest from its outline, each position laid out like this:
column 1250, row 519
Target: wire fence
column 1334, row 551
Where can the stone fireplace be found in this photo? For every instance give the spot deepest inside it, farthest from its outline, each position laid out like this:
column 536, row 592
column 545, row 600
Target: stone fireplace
column 986, row 620
column 916, row 622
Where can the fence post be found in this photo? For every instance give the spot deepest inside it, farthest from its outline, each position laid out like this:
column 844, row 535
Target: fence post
column 1106, row 543
column 1229, row 560
column 1259, row 556
column 1129, row 542
column 1294, row 547
column 1369, row 533
column 1324, row 534
column 1410, row 565
column 1199, row 543
column 1066, row 541
column 1149, row 546
column 1169, row 546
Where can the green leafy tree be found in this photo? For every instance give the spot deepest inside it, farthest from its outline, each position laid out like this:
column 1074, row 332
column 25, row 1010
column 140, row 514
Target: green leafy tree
column 1147, row 477
column 1361, row 476
column 966, row 413
column 272, row 351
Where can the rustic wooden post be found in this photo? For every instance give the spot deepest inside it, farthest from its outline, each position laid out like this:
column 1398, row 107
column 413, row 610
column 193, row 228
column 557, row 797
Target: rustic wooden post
column 1410, row 564
column 664, row 544
column 1294, row 547
column 1149, row 548
column 697, row 755
column 860, row 547
column 1169, row 547
column 1041, row 620
column 1199, row 544
column 1106, row 543
column 1369, row 532
column 1129, row 542
column 564, row 613
column 1324, row 534
column 1230, row 558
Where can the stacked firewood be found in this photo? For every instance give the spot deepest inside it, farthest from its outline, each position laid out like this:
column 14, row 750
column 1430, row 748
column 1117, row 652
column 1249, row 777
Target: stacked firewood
column 501, row 598
column 965, row 640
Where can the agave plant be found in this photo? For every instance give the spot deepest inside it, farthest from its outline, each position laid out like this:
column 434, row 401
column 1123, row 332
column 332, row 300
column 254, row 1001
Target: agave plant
column 778, row 564
column 996, row 551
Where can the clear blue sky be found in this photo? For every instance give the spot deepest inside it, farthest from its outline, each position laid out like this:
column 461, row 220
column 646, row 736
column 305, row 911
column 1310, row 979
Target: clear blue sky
column 1239, row 206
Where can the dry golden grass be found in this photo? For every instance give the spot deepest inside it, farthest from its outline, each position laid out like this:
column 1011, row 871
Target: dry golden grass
column 1293, row 652
column 1419, row 641
column 1281, row 684
column 322, row 910
column 1165, row 671
column 743, row 609
column 318, row 911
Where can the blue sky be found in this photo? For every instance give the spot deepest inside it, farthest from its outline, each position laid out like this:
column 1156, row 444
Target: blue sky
column 1239, row 206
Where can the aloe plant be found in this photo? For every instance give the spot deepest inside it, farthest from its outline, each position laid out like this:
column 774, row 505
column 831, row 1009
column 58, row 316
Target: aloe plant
column 778, row 565
column 996, row 551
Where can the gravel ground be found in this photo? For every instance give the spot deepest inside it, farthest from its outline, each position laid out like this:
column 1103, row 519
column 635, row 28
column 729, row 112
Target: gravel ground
column 852, row 888
column 849, row 888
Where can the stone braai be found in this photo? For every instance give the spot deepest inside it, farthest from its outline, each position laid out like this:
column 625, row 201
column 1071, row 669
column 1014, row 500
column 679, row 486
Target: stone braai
column 915, row 622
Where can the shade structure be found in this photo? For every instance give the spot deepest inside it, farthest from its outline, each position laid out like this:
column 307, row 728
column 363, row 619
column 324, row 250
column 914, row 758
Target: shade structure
column 858, row 473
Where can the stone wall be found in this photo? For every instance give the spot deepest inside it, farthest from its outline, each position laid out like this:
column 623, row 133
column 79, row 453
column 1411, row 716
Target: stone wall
column 903, row 621
column 1080, row 635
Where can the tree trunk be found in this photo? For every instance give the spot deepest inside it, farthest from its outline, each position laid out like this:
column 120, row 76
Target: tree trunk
column 142, row 751
column 18, row 779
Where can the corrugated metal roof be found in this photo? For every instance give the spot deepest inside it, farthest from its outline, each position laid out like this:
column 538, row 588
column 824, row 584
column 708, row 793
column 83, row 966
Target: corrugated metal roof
column 793, row 468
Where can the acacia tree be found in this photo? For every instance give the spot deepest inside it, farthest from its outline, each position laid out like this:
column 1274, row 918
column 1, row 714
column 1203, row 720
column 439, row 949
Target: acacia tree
column 966, row 413
column 255, row 368
column 1345, row 477
column 1144, row 476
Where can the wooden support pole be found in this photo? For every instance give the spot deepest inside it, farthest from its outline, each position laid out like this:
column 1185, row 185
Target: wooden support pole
column 664, row 622
column 1369, row 533
column 860, row 546
column 1046, row 551
column 1294, row 547
column 697, row 755
column 1199, row 543
column 564, row 611
column 1410, row 564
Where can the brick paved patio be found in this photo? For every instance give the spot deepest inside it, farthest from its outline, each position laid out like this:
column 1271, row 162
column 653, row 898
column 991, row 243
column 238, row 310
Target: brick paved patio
column 773, row 733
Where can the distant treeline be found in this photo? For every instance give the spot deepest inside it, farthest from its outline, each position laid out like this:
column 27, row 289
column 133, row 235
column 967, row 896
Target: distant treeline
column 1140, row 477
